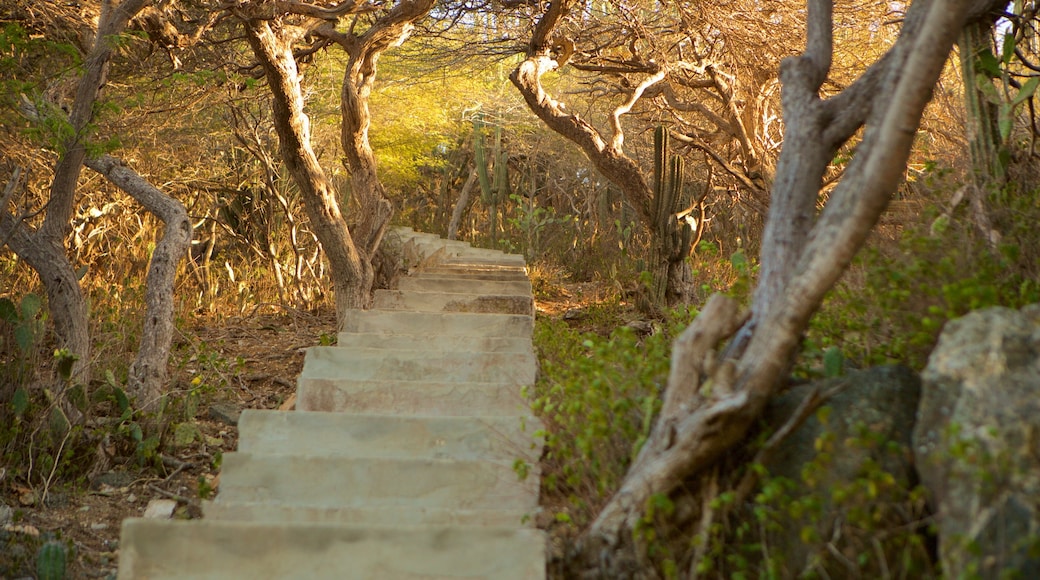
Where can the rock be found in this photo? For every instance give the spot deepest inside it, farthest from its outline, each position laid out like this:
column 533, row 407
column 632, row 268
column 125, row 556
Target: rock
column 6, row 514
column 977, row 443
column 857, row 462
column 225, row 413
column 112, row 479
column 160, row 509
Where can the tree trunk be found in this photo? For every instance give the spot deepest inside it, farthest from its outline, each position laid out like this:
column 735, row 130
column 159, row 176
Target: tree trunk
column 148, row 373
column 351, row 270
column 390, row 30
column 44, row 248
column 375, row 209
column 460, row 206
column 606, row 156
column 350, row 255
column 710, row 403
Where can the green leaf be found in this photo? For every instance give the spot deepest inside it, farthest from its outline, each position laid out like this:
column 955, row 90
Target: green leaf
column 1008, row 48
column 20, row 401
column 135, row 432
column 58, row 423
column 31, row 304
column 1004, row 121
column 985, row 86
column 185, row 434
column 121, row 399
column 833, row 362
column 988, row 63
column 65, row 360
column 1026, row 91
column 77, row 395
column 23, row 335
column 8, row 312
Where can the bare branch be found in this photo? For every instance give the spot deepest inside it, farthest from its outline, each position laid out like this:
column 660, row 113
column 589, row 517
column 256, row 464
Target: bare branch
column 819, row 40
column 345, row 8
column 615, row 118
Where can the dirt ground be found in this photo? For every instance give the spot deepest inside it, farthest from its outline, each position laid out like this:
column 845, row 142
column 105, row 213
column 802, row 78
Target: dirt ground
column 268, row 355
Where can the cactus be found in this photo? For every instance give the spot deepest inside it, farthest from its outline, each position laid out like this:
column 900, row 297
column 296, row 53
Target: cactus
column 671, row 240
column 493, row 187
column 51, row 561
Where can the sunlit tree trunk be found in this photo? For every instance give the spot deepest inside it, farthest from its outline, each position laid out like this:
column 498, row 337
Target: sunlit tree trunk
column 351, row 271
column 43, row 249
column 148, row 375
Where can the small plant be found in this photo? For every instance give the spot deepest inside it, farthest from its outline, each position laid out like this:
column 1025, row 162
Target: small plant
column 597, row 397
column 52, row 561
column 25, row 323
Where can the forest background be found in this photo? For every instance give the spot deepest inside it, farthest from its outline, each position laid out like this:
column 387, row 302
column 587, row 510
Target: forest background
column 627, row 237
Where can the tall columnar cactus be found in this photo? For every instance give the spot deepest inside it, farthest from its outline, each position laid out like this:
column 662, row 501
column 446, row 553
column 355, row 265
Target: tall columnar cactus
column 493, row 187
column 671, row 240
column 988, row 155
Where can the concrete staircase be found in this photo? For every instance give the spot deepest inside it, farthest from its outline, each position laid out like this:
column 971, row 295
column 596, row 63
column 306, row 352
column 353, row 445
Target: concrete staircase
column 398, row 462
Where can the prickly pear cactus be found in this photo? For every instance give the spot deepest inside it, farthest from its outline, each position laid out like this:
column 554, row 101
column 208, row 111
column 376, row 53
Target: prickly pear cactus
column 51, row 561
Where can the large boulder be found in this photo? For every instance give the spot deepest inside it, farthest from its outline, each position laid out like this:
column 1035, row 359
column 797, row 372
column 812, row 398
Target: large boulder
column 844, row 478
column 977, row 443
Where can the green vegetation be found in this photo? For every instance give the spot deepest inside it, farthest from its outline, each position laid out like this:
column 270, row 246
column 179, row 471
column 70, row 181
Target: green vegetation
column 197, row 123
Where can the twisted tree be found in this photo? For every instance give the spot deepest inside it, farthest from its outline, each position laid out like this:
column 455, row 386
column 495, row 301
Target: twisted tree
column 716, row 390
column 277, row 32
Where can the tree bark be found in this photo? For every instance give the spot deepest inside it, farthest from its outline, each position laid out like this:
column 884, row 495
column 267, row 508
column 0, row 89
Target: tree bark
column 390, row 30
column 350, row 250
column 351, row 270
column 148, row 373
column 607, row 156
column 460, row 206
column 710, row 403
column 44, row 248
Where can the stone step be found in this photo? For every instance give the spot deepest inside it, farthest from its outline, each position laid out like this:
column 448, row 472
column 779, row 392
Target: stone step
column 497, row 439
column 214, row 550
column 385, row 397
column 456, row 248
column 477, row 260
column 482, row 267
column 370, row 482
column 438, row 324
column 453, row 302
column 461, row 273
column 405, row 516
column 451, row 284
column 441, row 343
column 334, row 362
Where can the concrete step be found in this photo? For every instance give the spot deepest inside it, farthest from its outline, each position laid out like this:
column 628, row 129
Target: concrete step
column 370, row 482
column 496, row 439
column 453, row 302
column 451, row 284
column 441, row 343
column 430, row 246
column 438, row 324
column 334, row 362
column 477, row 260
column 471, row 274
column 502, row 268
column 392, row 516
column 410, row 399
column 212, row 550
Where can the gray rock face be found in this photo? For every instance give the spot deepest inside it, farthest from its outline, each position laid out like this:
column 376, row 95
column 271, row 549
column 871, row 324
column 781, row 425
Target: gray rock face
column 856, row 465
column 977, row 443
